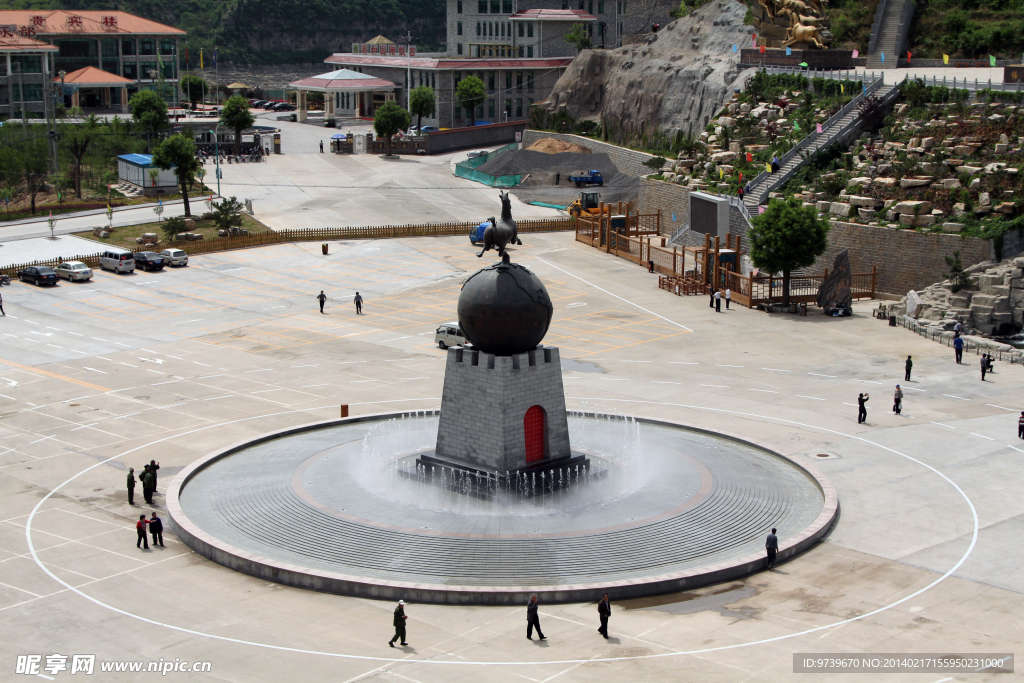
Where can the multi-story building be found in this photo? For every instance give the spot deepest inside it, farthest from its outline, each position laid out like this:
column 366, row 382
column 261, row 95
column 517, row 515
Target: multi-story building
column 144, row 52
column 25, row 64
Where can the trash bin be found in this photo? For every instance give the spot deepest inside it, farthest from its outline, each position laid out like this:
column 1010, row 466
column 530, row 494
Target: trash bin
column 323, row 247
column 650, row 266
column 803, row 309
column 892, row 321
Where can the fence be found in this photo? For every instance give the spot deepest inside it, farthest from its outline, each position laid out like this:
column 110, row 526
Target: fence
column 946, row 339
column 753, row 290
column 262, row 239
column 467, row 169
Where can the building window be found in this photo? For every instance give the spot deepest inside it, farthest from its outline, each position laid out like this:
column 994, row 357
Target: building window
column 490, row 108
column 502, row 30
column 490, row 80
column 620, row 28
column 529, row 29
column 457, row 112
column 147, row 46
column 458, row 8
column 600, row 6
column 519, row 80
column 508, row 109
column 522, row 30
column 590, row 6
column 519, row 107
column 581, row 5
column 565, row 4
column 127, row 47
column 495, row 6
column 600, row 29
column 510, row 29
column 481, row 7
column 167, row 46
column 108, row 47
column 506, row 6
column 458, row 29
column 478, row 28
column 529, row 52
column 508, row 80
column 29, row 64
column 529, row 80
column 129, row 71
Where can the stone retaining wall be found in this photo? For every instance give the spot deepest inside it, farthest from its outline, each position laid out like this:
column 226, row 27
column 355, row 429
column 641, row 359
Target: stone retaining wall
column 675, row 199
column 906, row 259
column 628, row 161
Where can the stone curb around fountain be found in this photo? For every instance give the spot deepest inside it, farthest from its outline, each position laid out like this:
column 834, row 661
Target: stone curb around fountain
column 331, row 582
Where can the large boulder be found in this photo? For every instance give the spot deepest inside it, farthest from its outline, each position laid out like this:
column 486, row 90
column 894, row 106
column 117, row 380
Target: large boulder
column 835, row 289
column 674, row 80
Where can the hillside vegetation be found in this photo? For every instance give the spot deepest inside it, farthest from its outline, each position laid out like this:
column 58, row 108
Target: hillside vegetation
column 276, row 31
column 969, row 29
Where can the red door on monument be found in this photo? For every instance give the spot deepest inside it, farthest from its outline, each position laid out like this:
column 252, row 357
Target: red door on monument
column 533, row 427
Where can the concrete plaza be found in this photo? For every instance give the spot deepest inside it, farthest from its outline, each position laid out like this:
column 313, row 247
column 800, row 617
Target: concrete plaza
column 101, row 376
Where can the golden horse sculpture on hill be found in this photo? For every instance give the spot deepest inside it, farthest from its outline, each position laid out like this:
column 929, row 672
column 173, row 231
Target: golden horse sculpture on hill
column 806, row 20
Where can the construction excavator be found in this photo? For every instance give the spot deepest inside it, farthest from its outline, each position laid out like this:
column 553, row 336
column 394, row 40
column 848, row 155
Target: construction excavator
column 585, row 204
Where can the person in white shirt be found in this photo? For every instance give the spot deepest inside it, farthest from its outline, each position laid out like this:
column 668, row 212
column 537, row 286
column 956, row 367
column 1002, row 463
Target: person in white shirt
column 728, row 297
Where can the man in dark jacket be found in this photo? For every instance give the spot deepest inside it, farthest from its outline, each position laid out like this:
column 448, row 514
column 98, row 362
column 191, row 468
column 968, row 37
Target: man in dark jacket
column 862, row 411
column 399, row 624
column 910, row 366
column 153, row 467
column 771, row 545
column 156, row 527
column 140, row 529
column 147, row 485
column 532, row 619
column 131, row 486
column 604, row 610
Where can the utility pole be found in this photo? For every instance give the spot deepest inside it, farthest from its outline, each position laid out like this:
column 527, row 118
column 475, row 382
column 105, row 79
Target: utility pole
column 408, row 72
column 21, row 96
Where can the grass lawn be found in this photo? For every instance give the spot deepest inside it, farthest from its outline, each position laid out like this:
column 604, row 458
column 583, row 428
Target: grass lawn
column 125, row 237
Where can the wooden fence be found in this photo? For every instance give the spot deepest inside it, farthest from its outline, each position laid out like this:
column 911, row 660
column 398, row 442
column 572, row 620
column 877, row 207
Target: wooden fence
column 261, row 239
column 648, row 249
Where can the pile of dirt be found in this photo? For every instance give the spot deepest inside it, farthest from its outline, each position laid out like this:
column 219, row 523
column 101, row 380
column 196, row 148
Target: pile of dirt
column 556, row 146
column 539, row 170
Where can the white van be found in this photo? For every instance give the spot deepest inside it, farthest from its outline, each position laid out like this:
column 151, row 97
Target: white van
column 449, row 334
column 118, row 261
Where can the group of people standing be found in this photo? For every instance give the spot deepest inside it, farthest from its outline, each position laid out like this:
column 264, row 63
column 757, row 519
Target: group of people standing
column 716, row 298
column 148, row 480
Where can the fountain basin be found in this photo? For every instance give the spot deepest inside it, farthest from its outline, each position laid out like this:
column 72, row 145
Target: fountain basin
column 312, row 507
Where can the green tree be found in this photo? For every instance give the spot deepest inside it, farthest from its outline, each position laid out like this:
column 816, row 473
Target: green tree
column 149, row 111
column 76, row 138
column 179, row 152
column 227, row 213
column 470, row 94
column 389, row 119
column 172, row 226
column 578, row 37
column 787, row 236
column 193, row 88
column 29, row 159
column 236, row 114
column 422, row 102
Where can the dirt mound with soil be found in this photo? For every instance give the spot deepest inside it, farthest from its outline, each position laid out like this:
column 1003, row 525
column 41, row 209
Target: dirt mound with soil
column 539, row 169
column 556, row 146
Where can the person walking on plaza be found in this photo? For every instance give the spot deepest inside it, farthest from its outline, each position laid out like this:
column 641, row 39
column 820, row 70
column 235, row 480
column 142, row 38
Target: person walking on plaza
column 958, row 328
column 862, row 412
column 604, row 610
column 558, row 177
column 140, row 529
column 156, row 527
column 711, row 293
column 897, row 401
column 359, row 304
column 728, row 297
column 771, row 546
column 2, row 305
column 910, row 365
column 958, row 348
column 321, row 146
column 984, row 366
column 399, row 624
column 131, row 486
column 718, row 301
column 532, row 619
column 1020, row 425
column 322, row 298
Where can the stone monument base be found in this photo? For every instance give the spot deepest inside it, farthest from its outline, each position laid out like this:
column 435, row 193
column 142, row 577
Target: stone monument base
column 543, row 478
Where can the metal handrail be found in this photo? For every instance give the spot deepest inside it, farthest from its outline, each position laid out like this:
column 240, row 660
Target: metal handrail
column 876, row 26
column 678, row 234
column 903, row 32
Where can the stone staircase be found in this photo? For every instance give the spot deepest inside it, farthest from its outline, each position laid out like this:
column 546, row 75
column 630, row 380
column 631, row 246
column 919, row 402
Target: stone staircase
column 830, row 133
column 128, row 190
column 891, row 31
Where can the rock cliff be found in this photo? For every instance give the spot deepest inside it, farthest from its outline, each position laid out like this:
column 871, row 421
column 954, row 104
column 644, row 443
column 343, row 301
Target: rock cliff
column 674, row 80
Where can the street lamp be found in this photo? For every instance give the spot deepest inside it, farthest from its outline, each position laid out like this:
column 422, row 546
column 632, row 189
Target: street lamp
column 216, row 141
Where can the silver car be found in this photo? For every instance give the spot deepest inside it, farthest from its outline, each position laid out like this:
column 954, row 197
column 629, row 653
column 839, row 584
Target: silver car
column 175, row 257
column 74, row 271
column 449, row 334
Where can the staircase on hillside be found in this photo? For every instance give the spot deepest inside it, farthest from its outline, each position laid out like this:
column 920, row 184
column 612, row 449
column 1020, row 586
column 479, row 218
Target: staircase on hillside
column 829, row 134
column 889, row 33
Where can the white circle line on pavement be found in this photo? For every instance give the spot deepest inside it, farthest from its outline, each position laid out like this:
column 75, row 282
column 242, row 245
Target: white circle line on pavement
column 282, row 648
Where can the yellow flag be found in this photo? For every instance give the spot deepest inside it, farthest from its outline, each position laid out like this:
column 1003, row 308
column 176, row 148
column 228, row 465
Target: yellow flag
column 721, row 174
column 945, row 59
column 768, row 167
column 200, row 58
column 842, row 89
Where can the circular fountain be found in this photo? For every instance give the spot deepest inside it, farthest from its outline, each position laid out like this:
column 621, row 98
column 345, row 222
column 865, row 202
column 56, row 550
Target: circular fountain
column 501, row 493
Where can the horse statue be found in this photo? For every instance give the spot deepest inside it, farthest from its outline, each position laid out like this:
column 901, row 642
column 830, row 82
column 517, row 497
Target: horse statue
column 499, row 234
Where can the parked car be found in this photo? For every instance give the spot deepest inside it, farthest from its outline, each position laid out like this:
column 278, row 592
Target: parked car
column 477, row 153
column 449, row 334
column 175, row 257
column 476, row 233
column 40, row 275
column 74, row 271
column 117, row 261
column 149, row 260
column 428, row 129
